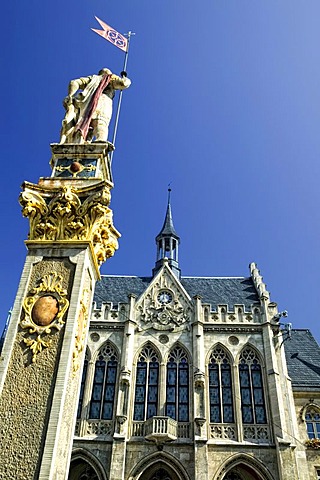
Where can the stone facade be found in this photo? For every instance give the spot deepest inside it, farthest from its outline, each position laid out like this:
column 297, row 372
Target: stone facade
column 201, row 445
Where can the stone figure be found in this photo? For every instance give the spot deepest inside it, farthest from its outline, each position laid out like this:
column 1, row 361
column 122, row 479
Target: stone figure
column 89, row 106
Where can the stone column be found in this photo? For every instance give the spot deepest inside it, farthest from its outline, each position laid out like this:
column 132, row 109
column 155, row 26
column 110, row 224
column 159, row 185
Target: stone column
column 71, row 233
column 200, row 423
column 118, row 455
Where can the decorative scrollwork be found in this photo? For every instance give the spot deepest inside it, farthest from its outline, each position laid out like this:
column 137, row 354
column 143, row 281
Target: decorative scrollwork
column 67, row 216
column 43, row 310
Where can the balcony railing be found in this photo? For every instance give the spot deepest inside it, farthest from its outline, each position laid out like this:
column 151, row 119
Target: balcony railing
column 161, row 429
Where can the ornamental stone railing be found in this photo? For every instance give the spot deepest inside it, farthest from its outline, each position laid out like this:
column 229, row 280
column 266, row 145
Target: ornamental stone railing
column 256, row 433
column 223, row 431
column 99, row 428
column 161, row 429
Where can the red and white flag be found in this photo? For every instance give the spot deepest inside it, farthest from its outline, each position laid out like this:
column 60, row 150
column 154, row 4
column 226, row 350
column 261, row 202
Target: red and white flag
column 112, row 35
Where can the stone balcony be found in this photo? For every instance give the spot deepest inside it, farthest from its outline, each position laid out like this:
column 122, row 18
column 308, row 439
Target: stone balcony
column 161, row 429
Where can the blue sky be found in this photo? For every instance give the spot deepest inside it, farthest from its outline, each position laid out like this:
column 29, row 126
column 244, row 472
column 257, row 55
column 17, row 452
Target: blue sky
column 224, row 104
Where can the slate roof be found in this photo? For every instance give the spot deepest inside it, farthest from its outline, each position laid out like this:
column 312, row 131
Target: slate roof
column 213, row 290
column 168, row 227
column 303, row 360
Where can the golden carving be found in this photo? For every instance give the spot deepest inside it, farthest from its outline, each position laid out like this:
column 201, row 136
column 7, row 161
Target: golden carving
column 36, row 345
column 40, row 323
column 66, row 216
column 81, row 331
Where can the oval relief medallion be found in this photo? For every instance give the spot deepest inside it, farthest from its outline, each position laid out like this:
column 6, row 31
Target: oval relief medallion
column 45, row 310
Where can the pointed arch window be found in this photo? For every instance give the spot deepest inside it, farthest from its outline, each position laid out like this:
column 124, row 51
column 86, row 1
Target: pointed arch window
column 177, row 392
column 147, row 385
column 104, row 384
column 220, row 387
column 83, row 381
column 251, row 387
column 312, row 418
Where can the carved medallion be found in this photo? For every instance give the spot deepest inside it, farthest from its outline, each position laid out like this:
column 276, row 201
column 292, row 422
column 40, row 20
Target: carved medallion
column 43, row 310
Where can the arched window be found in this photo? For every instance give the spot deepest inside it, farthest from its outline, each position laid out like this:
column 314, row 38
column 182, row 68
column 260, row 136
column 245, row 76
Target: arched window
column 147, row 381
column 82, row 470
column 104, row 384
column 251, row 387
column 220, row 387
column 177, row 398
column 312, row 418
column 83, row 381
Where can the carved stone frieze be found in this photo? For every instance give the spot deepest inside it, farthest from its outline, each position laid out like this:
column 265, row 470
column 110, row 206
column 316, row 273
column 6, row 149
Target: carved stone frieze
column 71, row 215
column 43, row 310
column 164, row 307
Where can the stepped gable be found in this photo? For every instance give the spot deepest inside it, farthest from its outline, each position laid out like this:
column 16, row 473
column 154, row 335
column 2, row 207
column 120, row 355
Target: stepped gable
column 303, row 360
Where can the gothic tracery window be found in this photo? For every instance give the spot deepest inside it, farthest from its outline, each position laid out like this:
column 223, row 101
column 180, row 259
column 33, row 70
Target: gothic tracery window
column 220, row 387
column 104, row 384
column 177, row 393
column 147, row 381
column 312, row 418
column 251, row 387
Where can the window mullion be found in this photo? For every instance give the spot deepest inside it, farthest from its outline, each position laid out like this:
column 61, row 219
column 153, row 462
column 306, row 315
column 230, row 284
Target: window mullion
column 177, row 392
column 253, row 406
column 146, row 393
column 103, row 387
column 220, row 397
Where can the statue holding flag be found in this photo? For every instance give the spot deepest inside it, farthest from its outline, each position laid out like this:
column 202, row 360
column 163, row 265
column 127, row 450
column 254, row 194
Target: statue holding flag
column 89, row 106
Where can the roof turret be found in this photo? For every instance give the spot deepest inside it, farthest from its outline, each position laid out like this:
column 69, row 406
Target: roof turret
column 168, row 243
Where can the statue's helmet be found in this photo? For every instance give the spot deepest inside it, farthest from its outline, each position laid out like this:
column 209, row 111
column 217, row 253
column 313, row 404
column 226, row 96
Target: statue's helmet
column 105, row 71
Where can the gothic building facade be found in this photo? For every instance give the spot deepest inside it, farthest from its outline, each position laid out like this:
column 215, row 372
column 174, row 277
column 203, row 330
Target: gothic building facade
column 195, row 378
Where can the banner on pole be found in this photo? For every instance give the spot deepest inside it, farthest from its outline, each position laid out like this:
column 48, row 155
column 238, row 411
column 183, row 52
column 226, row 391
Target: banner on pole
column 111, row 35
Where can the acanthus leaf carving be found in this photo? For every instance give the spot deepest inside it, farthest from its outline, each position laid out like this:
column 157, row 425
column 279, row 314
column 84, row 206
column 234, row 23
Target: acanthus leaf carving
column 66, row 216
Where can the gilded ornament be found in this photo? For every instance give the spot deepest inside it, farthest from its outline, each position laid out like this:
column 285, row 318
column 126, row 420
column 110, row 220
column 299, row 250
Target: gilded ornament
column 66, row 216
column 43, row 310
column 36, row 345
column 81, row 330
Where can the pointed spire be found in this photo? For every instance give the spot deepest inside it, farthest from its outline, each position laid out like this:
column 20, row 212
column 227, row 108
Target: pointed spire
column 168, row 242
column 168, row 228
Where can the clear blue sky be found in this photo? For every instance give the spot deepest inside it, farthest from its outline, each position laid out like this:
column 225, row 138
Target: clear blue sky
column 224, row 104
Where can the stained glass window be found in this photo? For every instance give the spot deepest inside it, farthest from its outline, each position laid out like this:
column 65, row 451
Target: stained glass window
column 83, row 381
column 177, row 393
column 147, row 385
column 104, row 384
column 251, row 387
column 312, row 419
column 220, row 387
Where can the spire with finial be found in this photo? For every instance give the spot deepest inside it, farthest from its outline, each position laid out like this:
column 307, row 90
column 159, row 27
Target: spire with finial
column 168, row 242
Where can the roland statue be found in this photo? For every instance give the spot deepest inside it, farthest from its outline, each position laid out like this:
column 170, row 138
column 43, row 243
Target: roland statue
column 89, row 107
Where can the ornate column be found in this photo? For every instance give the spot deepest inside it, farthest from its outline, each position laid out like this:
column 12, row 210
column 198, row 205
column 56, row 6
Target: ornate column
column 71, row 234
column 200, row 437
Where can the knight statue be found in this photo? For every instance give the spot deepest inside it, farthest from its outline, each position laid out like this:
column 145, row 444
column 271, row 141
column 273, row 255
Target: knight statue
column 89, row 107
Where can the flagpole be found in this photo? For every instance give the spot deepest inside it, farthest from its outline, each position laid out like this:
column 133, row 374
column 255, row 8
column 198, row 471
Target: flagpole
column 120, row 96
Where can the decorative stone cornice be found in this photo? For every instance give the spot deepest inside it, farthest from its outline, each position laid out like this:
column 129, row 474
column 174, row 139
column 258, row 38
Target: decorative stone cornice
column 71, row 214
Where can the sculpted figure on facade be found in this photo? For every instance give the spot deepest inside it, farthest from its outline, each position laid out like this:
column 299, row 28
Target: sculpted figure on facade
column 89, row 106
